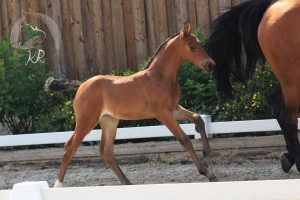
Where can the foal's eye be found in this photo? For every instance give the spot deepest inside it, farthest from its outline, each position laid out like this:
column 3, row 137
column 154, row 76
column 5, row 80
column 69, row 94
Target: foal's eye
column 192, row 47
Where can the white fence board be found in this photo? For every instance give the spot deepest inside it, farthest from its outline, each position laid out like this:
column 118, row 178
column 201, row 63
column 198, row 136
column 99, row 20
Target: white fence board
column 144, row 132
column 94, row 135
column 244, row 126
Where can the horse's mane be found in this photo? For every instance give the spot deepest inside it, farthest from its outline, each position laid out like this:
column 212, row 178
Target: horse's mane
column 233, row 44
column 147, row 65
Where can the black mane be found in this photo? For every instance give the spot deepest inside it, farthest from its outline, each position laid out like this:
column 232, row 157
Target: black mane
column 147, row 65
column 233, row 44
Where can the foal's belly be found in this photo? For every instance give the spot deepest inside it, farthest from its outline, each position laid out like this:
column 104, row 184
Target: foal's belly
column 127, row 102
column 129, row 111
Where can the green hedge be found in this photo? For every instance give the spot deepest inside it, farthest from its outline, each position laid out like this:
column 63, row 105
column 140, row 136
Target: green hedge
column 250, row 101
column 21, row 93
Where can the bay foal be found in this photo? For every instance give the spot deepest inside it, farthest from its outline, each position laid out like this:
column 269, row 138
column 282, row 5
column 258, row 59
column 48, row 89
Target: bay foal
column 151, row 93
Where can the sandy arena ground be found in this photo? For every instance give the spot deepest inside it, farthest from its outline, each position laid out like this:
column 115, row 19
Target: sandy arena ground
column 176, row 167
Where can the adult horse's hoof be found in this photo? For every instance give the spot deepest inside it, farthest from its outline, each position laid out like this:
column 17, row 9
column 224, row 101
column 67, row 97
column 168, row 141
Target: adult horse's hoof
column 298, row 163
column 213, row 178
column 286, row 164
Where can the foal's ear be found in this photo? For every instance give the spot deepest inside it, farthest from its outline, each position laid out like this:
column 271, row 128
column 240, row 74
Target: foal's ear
column 186, row 27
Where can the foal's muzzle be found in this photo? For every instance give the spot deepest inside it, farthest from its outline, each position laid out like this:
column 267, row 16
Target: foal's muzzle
column 209, row 66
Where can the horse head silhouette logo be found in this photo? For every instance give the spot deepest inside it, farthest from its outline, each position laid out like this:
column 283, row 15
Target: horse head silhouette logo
column 38, row 38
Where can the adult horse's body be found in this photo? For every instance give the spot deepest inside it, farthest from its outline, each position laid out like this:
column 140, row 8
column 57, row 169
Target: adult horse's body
column 151, row 93
column 263, row 28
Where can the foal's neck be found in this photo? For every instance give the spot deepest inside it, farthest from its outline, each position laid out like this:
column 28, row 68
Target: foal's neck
column 167, row 62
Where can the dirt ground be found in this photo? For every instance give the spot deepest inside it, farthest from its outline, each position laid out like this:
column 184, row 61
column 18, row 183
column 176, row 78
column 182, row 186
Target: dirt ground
column 176, row 167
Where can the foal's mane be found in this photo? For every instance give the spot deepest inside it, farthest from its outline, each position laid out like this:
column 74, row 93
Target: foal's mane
column 147, row 65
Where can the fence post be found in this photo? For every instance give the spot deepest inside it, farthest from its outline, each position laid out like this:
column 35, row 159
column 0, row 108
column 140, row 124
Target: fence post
column 207, row 120
column 28, row 190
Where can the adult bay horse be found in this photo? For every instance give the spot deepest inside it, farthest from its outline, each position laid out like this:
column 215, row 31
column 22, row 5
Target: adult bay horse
column 262, row 29
column 151, row 93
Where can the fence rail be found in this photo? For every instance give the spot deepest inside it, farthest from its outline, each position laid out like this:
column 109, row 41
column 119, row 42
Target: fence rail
column 99, row 36
column 212, row 128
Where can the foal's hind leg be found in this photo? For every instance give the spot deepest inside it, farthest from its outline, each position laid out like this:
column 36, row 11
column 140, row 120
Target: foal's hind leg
column 81, row 130
column 169, row 120
column 109, row 127
column 186, row 115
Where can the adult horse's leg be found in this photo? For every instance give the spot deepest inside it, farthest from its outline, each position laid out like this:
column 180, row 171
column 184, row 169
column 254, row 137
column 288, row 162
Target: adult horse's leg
column 291, row 98
column 277, row 104
column 186, row 115
column 168, row 119
column 286, row 108
column 109, row 128
column 81, row 130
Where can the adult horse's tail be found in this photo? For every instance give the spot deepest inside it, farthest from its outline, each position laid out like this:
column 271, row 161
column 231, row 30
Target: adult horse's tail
column 52, row 84
column 233, row 38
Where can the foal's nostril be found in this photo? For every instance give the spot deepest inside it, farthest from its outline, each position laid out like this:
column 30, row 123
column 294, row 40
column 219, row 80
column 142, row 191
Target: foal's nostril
column 209, row 66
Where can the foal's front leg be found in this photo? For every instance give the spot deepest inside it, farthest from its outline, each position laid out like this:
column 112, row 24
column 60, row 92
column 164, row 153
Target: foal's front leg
column 185, row 115
column 169, row 120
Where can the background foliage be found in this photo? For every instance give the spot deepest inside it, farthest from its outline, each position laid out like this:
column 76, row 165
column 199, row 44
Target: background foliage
column 21, row 93
column 198, row 89
column 250, row 100
column 58, row 115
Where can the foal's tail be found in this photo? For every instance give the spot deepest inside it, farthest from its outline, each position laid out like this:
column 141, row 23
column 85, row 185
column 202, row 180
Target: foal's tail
column 233, row 34
column 52, row 84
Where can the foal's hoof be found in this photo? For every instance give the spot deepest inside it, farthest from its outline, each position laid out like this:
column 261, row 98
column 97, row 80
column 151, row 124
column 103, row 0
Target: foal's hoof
column 58, row 184
column 286, row 164
column 213, row 178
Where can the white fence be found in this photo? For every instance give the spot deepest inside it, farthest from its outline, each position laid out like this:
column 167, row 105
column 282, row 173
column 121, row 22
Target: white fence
column 212, row 128
column 246, row 190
